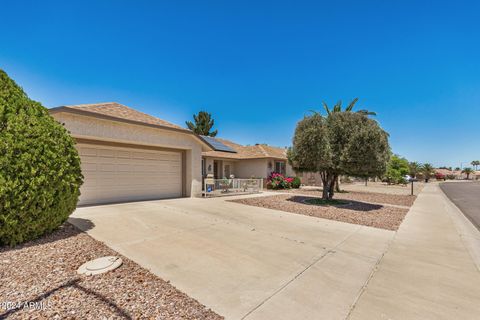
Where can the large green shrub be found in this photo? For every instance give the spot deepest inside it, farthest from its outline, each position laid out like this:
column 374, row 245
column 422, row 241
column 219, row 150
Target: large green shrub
column 40, row 172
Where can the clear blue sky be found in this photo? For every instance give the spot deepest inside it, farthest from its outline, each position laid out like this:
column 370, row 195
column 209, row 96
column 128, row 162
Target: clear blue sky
column 259, row 67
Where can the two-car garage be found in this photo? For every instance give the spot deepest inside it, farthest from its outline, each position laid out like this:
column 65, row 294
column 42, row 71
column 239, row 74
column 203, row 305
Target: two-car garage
column 117, row 173
column 127, row 155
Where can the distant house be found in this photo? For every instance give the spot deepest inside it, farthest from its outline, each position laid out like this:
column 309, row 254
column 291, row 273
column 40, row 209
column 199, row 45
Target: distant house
column 458, row 174
column 229, row 158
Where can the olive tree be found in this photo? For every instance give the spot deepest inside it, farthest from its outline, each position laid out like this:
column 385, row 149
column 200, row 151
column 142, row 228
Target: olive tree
column 342, row 143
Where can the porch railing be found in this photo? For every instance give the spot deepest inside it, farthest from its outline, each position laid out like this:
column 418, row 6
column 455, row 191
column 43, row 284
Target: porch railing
column 219, row 187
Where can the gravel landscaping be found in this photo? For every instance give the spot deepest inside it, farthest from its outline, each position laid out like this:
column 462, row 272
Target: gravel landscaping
column 44, row 271
column 363, row 213
column 395, row 199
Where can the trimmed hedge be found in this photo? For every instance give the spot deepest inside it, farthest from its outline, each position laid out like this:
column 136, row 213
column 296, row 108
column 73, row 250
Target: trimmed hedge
column 40, row 172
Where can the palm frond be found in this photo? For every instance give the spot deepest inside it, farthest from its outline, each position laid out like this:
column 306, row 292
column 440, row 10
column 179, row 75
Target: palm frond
column 351, row 105
column 367, row 113
column 338, row 107
column 327, row 109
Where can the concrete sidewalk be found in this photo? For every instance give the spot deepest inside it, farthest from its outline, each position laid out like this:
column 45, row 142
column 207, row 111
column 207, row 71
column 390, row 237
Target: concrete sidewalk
column 431, row 269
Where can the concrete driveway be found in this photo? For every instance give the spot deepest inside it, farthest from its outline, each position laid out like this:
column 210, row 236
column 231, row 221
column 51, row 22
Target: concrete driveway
column 244, row 262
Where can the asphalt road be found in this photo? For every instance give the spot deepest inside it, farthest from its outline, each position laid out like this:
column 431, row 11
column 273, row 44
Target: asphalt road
column 466, row 197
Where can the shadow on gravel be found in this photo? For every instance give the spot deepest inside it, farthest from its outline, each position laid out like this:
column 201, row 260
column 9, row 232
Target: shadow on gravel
column 76, row 284
column 65, row 231
column 351, row 205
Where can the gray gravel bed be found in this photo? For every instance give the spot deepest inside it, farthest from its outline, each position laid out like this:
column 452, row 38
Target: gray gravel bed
column 356, row 212
column 395, row 199
column 44, row 271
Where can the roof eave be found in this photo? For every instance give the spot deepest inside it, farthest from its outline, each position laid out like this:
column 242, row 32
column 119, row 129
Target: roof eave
column 87, row 113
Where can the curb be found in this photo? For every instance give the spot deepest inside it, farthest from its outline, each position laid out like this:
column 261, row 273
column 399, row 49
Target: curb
column 467, row 231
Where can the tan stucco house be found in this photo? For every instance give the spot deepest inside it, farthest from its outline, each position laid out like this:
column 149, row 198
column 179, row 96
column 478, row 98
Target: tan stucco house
column 230, row 158
column 128, row 155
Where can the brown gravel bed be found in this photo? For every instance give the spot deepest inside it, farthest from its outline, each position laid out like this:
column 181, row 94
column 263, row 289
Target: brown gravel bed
column 394, row 199
column 384, row 217
column 44, row 271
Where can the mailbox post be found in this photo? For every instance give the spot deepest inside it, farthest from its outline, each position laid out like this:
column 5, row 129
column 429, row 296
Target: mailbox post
column 412, row 180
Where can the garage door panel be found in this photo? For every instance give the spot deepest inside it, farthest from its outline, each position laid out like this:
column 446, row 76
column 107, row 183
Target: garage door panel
column 86, row 151
column 107, row 153
column 114, row 174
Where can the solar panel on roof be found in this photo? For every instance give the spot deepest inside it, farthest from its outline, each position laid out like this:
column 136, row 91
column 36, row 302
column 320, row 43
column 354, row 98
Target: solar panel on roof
column 217, row 145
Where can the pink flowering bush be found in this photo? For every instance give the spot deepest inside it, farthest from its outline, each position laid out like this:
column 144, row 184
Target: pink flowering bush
column 278, row 181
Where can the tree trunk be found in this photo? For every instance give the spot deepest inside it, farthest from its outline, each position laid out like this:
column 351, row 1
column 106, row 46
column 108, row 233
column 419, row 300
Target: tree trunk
column 337, row 184
column 328, row 181
column 331, row 192
column 324, row 178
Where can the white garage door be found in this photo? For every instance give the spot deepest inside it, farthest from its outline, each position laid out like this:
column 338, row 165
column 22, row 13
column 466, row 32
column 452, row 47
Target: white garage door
column 115, row 174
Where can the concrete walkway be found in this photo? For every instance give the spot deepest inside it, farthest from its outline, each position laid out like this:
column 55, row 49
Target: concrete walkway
column 241, row 261
column 431, row 269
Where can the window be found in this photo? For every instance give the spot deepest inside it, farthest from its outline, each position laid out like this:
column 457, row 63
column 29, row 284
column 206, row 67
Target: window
column 280, row 167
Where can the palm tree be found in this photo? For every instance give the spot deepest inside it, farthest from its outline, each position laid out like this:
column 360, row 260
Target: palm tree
column 475, row 163
column 428, row 171
column 338, row 108
column 203, row 124
column 468, row 171
column 414, row 168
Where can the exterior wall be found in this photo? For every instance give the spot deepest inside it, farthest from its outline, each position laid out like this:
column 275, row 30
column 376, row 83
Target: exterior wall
column 99, row 129
column 255, row 167
column 232, row 168
column 289, row 170
column 310, row 178
column 208, row 165
column 247, row 168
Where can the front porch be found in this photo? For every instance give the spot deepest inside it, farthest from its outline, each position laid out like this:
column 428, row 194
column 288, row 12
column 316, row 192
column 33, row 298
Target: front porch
column 228, row 187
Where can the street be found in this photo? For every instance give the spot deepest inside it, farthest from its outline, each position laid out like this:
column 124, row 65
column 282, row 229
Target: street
column 466, row 197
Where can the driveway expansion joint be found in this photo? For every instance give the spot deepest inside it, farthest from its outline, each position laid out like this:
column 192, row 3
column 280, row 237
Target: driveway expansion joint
column 299, row 274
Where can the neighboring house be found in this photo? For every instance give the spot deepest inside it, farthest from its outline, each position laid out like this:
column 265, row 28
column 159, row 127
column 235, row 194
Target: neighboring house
column 127, row 155
column 229, row 158
column 458, row 174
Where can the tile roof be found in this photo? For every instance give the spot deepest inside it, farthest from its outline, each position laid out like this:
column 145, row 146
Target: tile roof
column 121, row 112
column 257, row 151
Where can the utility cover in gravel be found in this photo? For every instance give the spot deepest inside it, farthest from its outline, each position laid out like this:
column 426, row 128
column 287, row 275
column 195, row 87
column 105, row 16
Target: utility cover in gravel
column 39, row 280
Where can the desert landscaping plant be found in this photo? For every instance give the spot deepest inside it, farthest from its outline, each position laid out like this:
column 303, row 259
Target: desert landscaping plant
column 296, row 182
column 414, row 168
column 440, row 176
column 344, row 143
column 397, row 169
column 203, row 124
column 40, row 172
column 338, row 108
column 427, row 171
column 468, row 172
column 475, row 164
